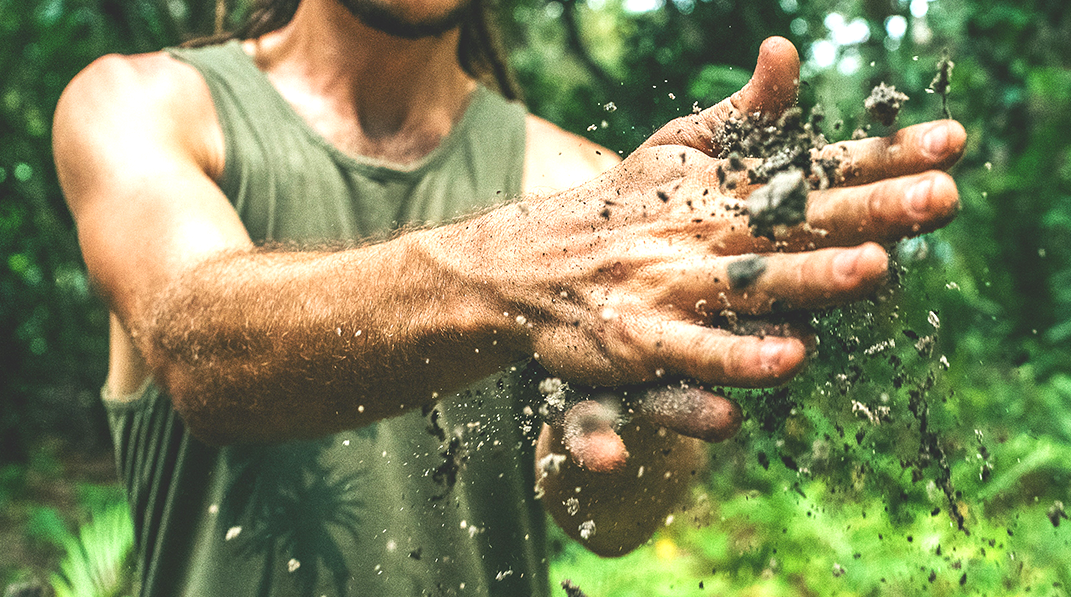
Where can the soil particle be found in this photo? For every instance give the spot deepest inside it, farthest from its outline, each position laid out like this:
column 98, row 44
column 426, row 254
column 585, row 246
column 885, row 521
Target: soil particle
column 942, row 81
column 445, row 475
column 782, row 202
column 884, row 103
column 1056, row 512
column 572, row 590
column 587, row 529
column 744, row 272
column 736, row 162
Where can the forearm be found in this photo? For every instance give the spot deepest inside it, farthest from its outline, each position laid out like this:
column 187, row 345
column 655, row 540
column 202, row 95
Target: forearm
column 613, row 513
column 262, row 346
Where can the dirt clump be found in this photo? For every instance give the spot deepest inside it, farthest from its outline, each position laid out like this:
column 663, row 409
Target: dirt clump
column 781, row 144
column 942, row 81
column 787, row 150
column 884, row 103
column 572, row 590
column 782, row 202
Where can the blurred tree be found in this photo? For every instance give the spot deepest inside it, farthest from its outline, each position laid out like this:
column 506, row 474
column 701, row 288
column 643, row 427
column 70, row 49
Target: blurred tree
column 52, row 330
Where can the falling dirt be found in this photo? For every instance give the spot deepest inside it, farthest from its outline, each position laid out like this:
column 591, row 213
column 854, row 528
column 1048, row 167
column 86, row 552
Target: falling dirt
column 781, row 202
column 942, row 81
column 786, row 150
column 871, row 390
column 884, row 103
column 572, row 590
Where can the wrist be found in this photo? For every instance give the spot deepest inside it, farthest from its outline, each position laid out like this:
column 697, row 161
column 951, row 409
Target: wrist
column 466, row 260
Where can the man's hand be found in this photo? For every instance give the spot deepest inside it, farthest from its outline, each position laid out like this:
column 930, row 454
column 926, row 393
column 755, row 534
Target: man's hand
column 618, row 281
column 643, row 291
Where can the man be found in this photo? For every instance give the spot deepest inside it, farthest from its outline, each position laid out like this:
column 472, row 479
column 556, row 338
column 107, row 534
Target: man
column 318, row 449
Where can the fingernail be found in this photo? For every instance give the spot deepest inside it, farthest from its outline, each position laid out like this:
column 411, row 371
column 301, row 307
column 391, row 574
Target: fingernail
column 844, row 263
column 917, row 198
column 770, row 354
column 935, row 140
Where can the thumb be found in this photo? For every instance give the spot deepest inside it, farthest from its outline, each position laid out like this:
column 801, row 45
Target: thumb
column 772, row 89
column 590, row 437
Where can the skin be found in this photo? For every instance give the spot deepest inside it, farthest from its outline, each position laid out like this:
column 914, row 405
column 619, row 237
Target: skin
column 216, row 319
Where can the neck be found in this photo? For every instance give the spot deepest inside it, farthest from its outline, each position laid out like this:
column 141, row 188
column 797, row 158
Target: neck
column 367, row 92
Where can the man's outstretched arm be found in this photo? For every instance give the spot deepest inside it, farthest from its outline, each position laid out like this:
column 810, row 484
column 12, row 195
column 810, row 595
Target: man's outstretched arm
column 604, row 277
column 323, row 340
column 254, row 344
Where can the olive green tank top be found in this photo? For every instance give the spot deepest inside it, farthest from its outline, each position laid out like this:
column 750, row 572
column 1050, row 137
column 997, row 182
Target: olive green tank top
column 438, row 502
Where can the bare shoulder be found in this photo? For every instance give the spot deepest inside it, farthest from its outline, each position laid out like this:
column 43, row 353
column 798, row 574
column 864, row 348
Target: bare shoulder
column 556, row 159
column 134, row 102
column 115, row 83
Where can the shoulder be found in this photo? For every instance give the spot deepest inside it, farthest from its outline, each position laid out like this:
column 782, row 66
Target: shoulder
column 138, row 100
column 556, row 159
column 115, row 82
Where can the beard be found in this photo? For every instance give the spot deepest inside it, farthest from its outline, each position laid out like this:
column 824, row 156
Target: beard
column 384, row 18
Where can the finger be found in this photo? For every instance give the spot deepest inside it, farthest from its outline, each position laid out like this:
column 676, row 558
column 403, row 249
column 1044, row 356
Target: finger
column 929, row 146
column 763, row 283
column 771, row 90
column 588, row 433
column 717, row 357
column 884, row 211
column 690, row 411
column 773, row 87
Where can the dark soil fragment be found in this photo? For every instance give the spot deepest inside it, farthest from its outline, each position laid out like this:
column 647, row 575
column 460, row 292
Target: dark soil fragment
column 1056, row 512
column 782, row 202
column 884, row 103
column 743, row 272
column 572, row 590
column 445, row 475
column 942, row 81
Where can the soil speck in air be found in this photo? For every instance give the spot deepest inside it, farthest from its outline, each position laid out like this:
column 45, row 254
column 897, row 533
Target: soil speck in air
column 942, row 81
column 884, row 103
column 572, row 590
column 1056, row 513
column 782, row 202
column 445, row 475
column 587, row 529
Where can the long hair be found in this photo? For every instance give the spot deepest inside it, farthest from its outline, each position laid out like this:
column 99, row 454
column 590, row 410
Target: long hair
column 480, row 50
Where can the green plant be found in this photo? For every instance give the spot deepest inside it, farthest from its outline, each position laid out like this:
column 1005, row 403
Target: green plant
column 96, row 561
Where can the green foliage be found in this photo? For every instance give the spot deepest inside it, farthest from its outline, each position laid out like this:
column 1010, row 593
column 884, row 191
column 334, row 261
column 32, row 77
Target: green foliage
column 95, row 560
column 53, row 330
column 95, row 564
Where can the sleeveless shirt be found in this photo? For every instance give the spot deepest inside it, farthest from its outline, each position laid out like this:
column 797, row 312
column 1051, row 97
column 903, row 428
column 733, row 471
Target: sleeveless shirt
column 438, row 502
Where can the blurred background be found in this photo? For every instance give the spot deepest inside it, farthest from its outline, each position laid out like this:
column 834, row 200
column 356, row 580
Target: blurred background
column 928, row 448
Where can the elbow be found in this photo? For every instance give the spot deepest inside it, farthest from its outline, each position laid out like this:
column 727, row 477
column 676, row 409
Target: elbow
column 203, row 411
